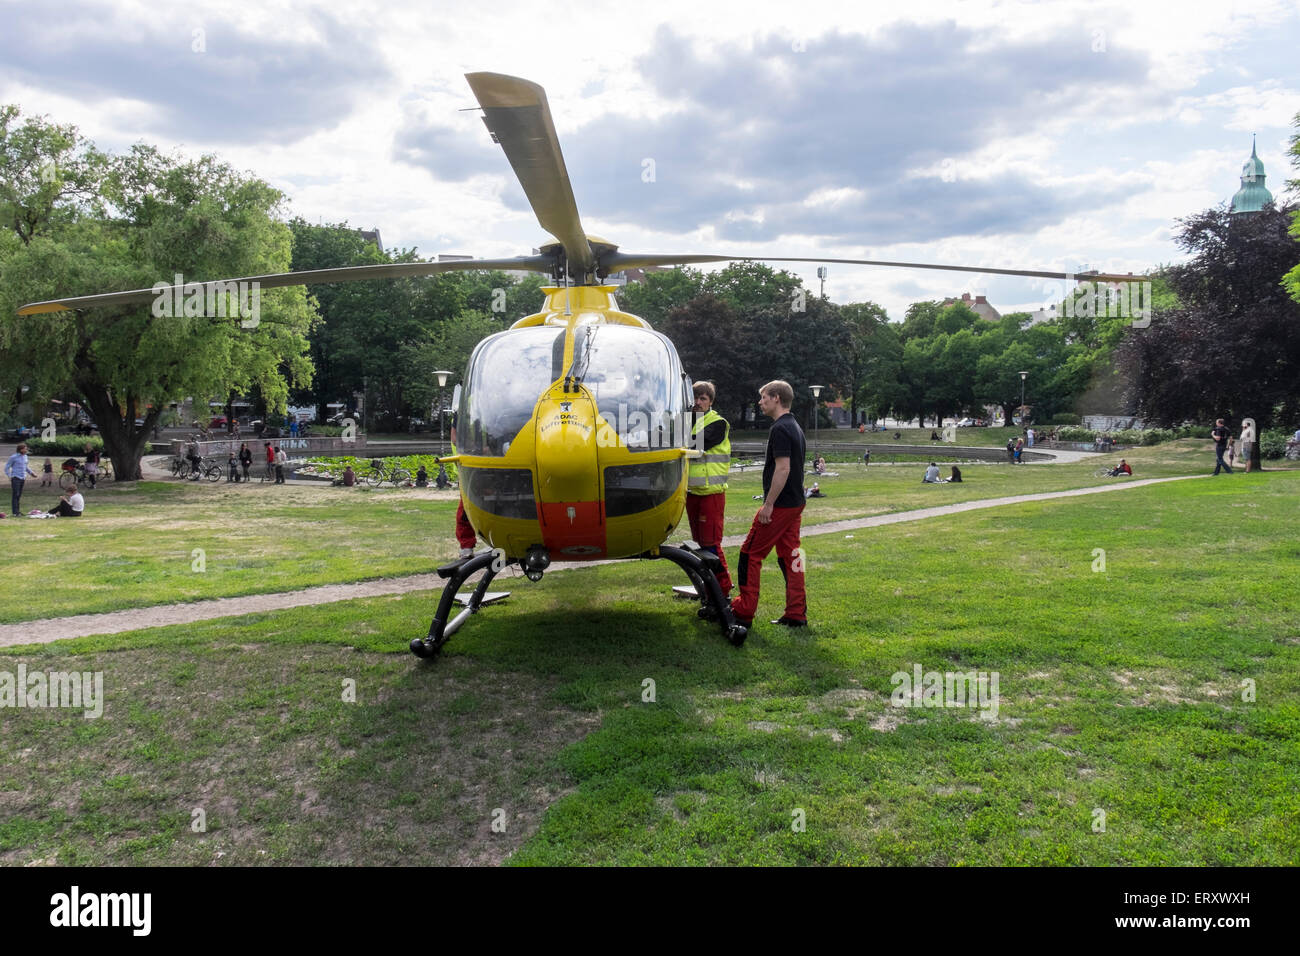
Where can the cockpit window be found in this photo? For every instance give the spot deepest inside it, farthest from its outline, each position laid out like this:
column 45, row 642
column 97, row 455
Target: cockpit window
column 636, row 380
column 507, row 374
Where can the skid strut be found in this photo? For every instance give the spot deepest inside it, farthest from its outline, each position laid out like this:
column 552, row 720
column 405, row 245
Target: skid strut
column 491, row 563
column 700, row 566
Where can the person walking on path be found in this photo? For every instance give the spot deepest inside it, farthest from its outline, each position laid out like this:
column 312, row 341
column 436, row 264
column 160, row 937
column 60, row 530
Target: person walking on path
column 18, row 471
column 1248, row 443
column 706, row 484
column 245, row 459
column 1220, row 434
column 281, row 459
column 777, row 523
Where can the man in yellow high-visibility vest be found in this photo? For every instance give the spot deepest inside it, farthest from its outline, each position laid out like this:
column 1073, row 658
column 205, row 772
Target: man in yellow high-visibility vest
column 706, row 484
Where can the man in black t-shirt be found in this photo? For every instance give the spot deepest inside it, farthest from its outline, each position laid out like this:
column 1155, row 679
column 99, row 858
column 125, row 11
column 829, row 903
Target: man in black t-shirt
column 1220, row 436
column 777, row 523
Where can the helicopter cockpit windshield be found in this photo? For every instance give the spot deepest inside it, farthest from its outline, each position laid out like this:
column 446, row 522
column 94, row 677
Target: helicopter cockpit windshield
column 507, row 373
column 636, row 379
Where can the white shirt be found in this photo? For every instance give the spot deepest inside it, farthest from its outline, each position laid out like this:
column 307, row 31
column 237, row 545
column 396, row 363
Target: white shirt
column 76, row 502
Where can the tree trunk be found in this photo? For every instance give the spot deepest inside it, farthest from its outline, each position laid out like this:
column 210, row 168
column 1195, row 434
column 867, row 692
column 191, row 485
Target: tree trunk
column 123, row 443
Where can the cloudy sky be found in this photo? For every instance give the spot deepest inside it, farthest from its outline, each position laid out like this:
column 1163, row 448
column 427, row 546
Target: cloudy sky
column 1021, row 135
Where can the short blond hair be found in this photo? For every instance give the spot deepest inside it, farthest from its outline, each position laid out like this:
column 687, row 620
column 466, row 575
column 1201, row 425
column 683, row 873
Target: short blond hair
column 781, row 391
column 705, row 388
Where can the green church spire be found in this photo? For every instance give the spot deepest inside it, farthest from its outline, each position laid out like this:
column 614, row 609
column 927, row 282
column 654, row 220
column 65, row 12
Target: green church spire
column 1252, row 195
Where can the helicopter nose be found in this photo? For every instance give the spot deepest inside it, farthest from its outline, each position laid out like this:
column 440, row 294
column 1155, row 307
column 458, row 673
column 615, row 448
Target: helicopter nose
column 566, row 449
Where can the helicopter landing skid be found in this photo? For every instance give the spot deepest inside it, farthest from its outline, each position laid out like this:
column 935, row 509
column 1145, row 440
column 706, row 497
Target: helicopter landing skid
column 700, row 566
column 491, row 563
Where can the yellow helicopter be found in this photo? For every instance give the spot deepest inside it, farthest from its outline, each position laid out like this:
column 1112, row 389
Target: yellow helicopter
column 573, row 425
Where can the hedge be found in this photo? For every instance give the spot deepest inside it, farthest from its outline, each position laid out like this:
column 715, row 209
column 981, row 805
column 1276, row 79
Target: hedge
column 412, row 463
column 75, row 446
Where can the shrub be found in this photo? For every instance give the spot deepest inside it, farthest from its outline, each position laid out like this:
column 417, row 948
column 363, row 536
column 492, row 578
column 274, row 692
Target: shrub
column 74, row 446
column 1272, row 443
column 1069, row 433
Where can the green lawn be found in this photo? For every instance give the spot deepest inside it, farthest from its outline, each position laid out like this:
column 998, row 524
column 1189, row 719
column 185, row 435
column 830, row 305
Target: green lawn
column 991, row 437
column 1162, row 692
column 136, row 546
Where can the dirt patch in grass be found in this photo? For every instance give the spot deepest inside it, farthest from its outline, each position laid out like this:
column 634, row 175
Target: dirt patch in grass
column 1162, row 687
column 254, row 754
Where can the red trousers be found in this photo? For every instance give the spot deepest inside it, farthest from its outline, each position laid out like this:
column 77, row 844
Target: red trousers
column 705, row 514
column 782, row 533
column 465, row 535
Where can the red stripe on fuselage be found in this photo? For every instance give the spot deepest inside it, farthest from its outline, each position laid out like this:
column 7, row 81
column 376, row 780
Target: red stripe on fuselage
column 583, row 532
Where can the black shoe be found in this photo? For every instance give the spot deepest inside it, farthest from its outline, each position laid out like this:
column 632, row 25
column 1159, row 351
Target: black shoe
column 790, row 622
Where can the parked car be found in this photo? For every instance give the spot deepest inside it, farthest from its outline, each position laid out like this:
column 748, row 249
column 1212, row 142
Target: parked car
column 218, row 422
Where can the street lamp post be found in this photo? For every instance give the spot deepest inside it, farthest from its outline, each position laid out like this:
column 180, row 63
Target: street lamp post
column 442, row 381
column 816, row 390
column 1023, row 376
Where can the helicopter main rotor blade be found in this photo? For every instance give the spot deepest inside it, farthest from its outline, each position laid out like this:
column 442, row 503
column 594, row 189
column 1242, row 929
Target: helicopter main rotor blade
column 518, row 117
column 392, row 270
column 617, row 261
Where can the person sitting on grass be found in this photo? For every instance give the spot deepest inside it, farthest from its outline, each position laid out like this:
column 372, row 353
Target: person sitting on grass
column 1121, row 469
column 815, row 491
column 932, row 475
column 422, row 477
column 956, row 474
column 70, row 505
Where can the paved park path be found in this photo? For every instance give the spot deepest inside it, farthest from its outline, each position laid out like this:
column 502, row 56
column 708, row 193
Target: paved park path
column 114, row 622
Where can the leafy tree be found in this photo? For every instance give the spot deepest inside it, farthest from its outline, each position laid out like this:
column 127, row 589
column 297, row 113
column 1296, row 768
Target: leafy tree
column 715, row 343
column 955, row 318
column 1292, row 278
column 870, row 348
column 1232, row 349
column 387, row 337
column 659, row 292
column 128, row 222
column 919, row 320
column 50, row 172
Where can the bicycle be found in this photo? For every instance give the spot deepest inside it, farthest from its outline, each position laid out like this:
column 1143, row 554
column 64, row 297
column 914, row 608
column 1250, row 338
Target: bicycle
column 377, row 476
column 206, row 468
